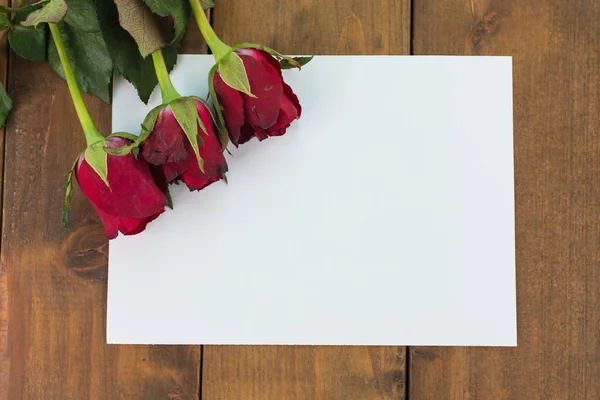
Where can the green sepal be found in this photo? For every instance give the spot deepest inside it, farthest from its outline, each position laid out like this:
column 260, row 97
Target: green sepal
column 5, row 105
column 220, row 120
column 299, row 62
column 52, row 12
column 4, row 9
column 147, row 127
column 68, row 188
column 97, row 158
column 169, row 199
column 119, row 151
column 294, row 62
column 148, row 123
column 124, row 135
column 123, row 150
column 188, row 119
column 233, row 73
column 200, row 122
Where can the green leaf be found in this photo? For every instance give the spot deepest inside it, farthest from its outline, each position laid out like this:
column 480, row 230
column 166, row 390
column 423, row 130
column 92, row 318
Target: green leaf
column 187, row 117
column 5, row 105
column 179, row 10
column 28, row 42
column 6, row 10
column 92, row 64
column 68, row 188
column 181, row 13
column 144, row 26
column 220, row 120
column 298, row 62
column 161, row 7
column 4, row 22
column 233, row 73
column 124, row 51
column 97, row 158
column 53, row 11
column 206, row 4
column 81, row 14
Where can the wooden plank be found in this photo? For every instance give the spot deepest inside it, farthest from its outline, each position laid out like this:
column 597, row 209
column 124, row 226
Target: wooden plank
column 556, row 50
column 57, row 279
column 4, row 360
column 192, row 42
column 309, row 372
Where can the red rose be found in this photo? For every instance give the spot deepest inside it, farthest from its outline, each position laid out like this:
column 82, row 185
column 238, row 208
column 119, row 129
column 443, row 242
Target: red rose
column 168, row 147
column 133, row 198
column 270, row 112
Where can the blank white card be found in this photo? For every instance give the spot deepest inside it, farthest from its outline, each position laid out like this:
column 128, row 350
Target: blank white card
column 384, row 216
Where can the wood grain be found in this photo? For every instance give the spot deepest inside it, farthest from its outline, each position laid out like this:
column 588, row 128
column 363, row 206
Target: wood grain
column 306, row 372
column 57, row 279
column 556, row 57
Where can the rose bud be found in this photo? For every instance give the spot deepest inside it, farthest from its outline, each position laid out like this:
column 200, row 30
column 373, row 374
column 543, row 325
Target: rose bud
column 267, row 110
column 127, row 198
column 168, row 145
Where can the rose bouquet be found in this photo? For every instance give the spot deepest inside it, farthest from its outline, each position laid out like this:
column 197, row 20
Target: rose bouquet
column 124, row 175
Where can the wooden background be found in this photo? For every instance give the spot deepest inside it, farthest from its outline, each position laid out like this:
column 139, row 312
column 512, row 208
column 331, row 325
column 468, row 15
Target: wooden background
column 53, row 282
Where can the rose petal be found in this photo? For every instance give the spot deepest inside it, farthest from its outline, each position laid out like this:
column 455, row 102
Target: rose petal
column 167, row 141
column 110, row 223
column 233, row 108
column 197, row 181
column 211, row 149
column 265, row 83
column 287, row 90
column 289, row 93
column 130, row 226
column 246, row 134
column 287, row 114
column 132, row 192
column 173, row 171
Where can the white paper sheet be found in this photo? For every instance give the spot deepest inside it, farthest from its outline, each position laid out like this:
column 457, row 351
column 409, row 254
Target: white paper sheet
column 385, row 216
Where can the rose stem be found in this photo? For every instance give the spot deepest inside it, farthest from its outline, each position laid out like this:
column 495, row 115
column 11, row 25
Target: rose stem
column 167, row 89
column 89, row 129
column 218, row 48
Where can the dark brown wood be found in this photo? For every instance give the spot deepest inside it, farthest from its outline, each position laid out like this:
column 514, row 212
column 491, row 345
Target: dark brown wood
column 305, row 372
column 57, row 279
column 556, row 56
